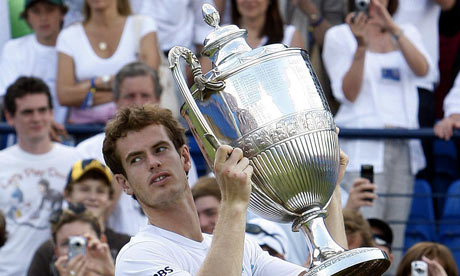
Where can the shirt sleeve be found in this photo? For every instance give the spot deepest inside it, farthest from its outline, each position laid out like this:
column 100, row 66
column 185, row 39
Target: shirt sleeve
column 148, row 25
column 8, row 67
column 338, row 57
column 200, row 28
column 65, row 40
column 146, row 261
column 452, row 100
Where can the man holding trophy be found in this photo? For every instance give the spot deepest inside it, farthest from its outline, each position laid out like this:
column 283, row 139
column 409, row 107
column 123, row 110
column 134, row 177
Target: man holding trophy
column 262, row 123
column 150, row 161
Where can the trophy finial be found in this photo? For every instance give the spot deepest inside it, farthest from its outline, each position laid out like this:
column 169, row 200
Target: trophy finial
column 210, row 15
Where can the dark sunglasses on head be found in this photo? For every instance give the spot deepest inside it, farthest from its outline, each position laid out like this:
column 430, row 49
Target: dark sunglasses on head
column 256, row 230
column 77, row 208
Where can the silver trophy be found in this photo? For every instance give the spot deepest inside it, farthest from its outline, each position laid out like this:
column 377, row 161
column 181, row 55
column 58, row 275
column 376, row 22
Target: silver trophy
column 268, row 102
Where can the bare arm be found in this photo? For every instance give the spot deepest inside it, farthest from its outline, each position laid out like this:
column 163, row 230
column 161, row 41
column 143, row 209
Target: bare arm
column 334, row 220
column 149, row 53
column 414, row 58
column 297, row 40
column 353, row 79
column 445, row 4
column 225, row 256
column 71, row 93
column 309, row 8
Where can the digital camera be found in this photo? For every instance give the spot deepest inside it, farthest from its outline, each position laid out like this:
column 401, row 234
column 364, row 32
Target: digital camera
column 77, row 246
column 419, row 268
column 362, row 6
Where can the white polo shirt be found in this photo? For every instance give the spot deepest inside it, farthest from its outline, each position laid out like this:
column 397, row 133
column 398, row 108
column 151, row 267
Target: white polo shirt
column 155, row 251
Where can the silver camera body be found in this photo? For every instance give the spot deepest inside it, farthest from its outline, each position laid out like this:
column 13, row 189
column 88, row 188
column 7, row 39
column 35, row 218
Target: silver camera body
column 362, row 6
column 419, row 268
column 77, row 246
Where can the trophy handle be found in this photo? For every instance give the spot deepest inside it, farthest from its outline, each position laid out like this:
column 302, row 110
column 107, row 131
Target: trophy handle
column 202, row 84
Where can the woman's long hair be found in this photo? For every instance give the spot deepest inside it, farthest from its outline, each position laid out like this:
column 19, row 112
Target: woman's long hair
column 430, row 250
column 123, row 8
column 273, row 27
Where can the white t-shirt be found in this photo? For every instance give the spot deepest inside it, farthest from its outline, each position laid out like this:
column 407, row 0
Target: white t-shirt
column 73, row 42
column 180, row 22
column 289, row 31
column 155, row 251
column 127, row 217
column 452, row 100
column 424, row 15
column 31, row 187
column 25, row 56
column 370, row 109
column 5, row 28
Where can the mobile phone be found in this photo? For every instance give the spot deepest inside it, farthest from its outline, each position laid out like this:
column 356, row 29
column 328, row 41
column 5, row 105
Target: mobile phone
column 419, row 268
column 367, row 172
column 77, row 246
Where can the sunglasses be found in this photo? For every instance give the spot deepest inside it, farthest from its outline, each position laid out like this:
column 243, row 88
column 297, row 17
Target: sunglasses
column 256, row 230
column 76, row 208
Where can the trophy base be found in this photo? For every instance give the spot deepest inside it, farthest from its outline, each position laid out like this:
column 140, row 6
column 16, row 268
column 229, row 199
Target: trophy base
column 357, row 262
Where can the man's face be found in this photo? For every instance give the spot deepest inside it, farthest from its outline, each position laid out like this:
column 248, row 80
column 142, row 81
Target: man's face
column 138, row 91
column 45, row 19
column 155, row 171
column 76, row 228
column 93, row 193
column 208, row 211
column 33, row 117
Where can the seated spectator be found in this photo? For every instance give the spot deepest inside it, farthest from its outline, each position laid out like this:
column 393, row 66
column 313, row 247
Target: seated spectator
column 438, row 257
column 33, row 173
column 97, row 259
column 269, row 235
column 357, row 229
column 382, row 235
column 89, row 187
column 374, row 65
column 444, row 128
column 3, row 233
column 264, row 24
column 35, row 55
column 91, row 52
column 206, row 194
column 135, row 84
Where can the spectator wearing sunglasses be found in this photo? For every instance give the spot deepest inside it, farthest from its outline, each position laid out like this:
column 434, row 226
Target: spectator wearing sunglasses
column 89, row 187
column 382, row 235
column 269, row 235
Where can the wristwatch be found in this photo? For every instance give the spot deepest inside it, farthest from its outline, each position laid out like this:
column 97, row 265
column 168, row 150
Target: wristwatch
column 106, row 81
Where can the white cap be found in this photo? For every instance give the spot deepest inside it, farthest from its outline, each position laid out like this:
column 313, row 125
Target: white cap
column 271, row 235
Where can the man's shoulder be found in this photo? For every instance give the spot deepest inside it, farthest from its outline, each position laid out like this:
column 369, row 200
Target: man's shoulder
column 92, row 147
column 20, row 42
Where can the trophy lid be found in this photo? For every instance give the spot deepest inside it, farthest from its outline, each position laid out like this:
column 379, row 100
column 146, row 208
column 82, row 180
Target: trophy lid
column 224, row 41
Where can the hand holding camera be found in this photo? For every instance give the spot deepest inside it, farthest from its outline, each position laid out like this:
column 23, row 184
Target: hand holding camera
column 86, row 253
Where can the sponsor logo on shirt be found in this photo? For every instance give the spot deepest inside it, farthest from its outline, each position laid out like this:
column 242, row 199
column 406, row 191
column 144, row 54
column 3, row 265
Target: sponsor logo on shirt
column 163, row 272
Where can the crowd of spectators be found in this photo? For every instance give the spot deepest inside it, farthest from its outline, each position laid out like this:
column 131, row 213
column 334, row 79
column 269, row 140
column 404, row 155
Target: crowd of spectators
column 79, row 62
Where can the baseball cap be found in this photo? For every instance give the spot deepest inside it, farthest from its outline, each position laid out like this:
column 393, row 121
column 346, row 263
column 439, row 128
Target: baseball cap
column 81, row 167
column 268, row 233
column 385, row 238
column 27, row 3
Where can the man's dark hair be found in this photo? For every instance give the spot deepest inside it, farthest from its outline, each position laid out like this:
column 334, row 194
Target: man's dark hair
column 135, row 118
column 24, row 86
column 136, row 69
